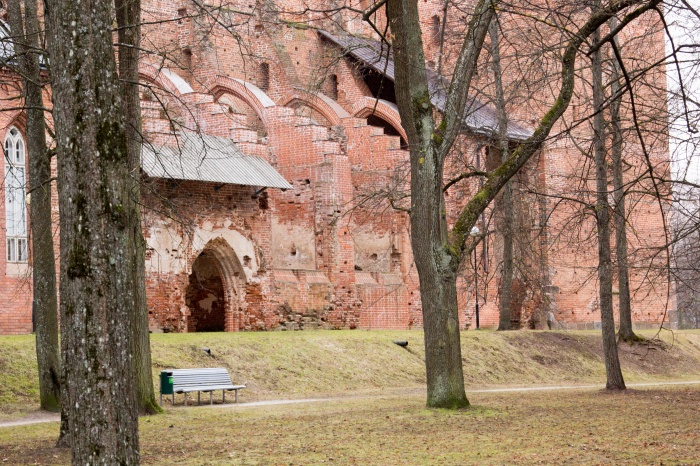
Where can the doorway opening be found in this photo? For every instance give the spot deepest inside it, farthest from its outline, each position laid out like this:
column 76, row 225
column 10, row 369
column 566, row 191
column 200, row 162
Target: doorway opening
column 206, row 296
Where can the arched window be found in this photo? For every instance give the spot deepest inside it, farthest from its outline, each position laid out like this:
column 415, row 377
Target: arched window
column 15, row 194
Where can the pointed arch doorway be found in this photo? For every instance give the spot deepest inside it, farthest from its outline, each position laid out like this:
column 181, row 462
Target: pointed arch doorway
column 213, row 294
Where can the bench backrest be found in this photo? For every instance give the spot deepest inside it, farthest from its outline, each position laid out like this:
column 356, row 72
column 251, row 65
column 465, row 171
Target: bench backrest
column 187, row 378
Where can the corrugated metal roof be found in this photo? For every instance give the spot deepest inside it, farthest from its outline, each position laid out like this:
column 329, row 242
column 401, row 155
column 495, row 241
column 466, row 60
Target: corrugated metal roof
column 209, row 158
column 478, row 117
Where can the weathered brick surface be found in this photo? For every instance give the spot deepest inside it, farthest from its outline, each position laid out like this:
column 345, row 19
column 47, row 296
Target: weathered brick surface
column 331, row 252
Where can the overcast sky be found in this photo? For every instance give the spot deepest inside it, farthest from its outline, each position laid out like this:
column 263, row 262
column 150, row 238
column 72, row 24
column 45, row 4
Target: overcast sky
column 685, row 30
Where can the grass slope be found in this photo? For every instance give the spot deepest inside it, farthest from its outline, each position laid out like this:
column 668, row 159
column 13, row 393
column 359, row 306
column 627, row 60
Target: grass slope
column 321, row 363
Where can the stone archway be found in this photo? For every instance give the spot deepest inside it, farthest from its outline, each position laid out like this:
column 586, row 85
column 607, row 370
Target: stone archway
column 206, row 296
column 215, row 295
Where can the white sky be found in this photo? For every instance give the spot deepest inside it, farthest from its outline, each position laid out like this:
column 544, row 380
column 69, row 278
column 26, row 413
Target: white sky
column 684, row 145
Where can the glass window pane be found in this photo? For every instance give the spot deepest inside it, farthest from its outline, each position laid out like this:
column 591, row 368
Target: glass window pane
column 15, row 208
column 9, row 202
column 21, row 250
column 11, row 249
column 20, row 204
column 19, row 154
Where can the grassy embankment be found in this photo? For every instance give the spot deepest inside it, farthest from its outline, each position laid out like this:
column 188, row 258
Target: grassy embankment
column 279, row 365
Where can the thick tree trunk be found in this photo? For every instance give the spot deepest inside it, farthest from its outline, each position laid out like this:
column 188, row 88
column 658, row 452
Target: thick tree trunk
column 437, row 274
column 436, row 265
column 612, row 362
column 45, row 303
column 625, row 301
column 97, row 296
column 129, row 20
column 506, row 287
column 63, row 440
column 437, row 251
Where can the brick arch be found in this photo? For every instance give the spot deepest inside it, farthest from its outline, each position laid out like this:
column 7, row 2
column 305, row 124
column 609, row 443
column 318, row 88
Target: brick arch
column 157, row 76
column 18, row 119
column 252, row 95
column 385, row 110
column 233, row 277
column 323, row 104
column 167, row 81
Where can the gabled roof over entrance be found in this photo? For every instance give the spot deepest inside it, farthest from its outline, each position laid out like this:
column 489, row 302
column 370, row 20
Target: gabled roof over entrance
column 478, row 117
column 209, row 158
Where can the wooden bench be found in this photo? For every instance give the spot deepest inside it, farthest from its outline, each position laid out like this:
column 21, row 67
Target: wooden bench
column 198, row 380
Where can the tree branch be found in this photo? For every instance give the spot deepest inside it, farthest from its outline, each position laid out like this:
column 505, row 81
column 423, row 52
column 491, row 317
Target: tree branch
column 463, row 176
column 522, row 154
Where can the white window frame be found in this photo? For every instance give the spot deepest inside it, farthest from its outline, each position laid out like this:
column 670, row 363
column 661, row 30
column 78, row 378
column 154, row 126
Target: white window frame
column 15, row 151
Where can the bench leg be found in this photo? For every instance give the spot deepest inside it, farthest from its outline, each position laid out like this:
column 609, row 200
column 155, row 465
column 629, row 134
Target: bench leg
column 198, row 400
column 173, row 398
column 211, row 398
column 236, row 395
column 185, row 398
column 223, row 396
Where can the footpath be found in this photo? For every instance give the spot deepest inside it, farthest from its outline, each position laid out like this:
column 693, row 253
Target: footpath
column 42, row 417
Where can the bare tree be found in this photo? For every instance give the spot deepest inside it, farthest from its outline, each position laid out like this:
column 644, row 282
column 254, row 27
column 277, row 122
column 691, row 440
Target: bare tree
column 26, row 34
column 97, row 252
column 508, row 220
column 437, row 250
column 602, row 215
column 620, row 211
column 682, row 20
column 128, row 14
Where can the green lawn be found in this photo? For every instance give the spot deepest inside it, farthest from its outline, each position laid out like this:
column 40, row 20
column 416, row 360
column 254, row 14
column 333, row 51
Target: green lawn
column 567, row 427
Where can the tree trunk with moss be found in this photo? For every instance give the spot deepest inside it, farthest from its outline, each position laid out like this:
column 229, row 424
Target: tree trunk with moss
column 435, row 260
column 129, row 20
column 438, row 251
column 602, row 214
column 26, row 37
column 97, row 252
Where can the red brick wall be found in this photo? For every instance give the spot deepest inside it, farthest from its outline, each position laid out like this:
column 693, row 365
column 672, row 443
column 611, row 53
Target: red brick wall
column 329, row 252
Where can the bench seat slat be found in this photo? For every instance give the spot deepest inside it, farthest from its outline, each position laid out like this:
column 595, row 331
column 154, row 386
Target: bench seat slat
column 209, row 388
column 207, row 379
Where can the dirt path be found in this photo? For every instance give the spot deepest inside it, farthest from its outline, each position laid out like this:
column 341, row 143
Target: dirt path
column 40, row 417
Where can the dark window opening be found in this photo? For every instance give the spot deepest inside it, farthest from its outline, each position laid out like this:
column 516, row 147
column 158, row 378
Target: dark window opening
column 374, row 120
column 381, row 87
column 263, row 201
column 435, row 29
column 264, row 77
column 333, row 87
column 181, row 13
column 187, row 59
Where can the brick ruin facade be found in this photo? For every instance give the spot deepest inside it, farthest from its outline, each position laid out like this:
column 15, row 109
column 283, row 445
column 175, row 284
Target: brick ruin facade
column 330, row 252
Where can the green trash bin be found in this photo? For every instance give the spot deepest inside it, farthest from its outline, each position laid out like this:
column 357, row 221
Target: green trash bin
column 166, row 385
